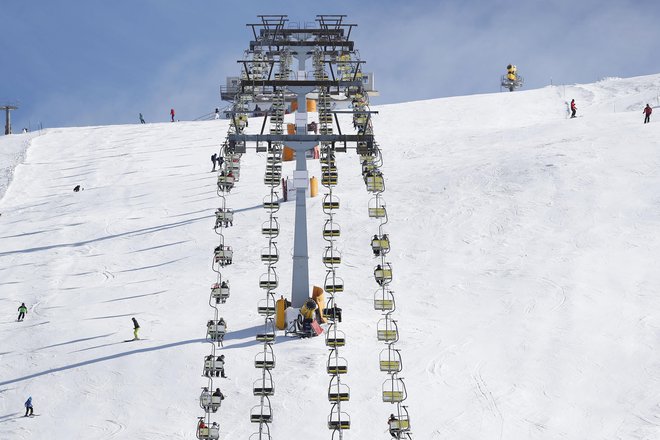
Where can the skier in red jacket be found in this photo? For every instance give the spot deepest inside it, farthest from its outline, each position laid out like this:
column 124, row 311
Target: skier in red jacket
column 647, row 111
column 172, row 114
column 573, row 108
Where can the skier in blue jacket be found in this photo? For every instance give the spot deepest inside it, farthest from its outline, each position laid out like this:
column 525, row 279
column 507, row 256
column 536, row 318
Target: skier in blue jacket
column 29, row 410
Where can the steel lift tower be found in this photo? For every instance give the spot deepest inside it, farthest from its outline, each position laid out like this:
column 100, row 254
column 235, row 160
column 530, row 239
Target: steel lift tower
column 7, row 108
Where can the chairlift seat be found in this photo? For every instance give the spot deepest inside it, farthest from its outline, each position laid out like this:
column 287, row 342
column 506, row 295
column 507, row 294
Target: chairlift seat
column 393, row 396
column 335, row 342
column 338, row 397
column 387, row 335
column 383, row 304
column 265, row 337
column 208, row 433
column 390, row 366
column 378, row 212
column 339, row 424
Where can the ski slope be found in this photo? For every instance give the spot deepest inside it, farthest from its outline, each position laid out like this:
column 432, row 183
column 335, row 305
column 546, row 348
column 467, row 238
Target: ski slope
column 524, row 250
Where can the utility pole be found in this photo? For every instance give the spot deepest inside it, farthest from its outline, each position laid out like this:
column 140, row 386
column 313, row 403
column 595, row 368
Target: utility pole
column 7, row 108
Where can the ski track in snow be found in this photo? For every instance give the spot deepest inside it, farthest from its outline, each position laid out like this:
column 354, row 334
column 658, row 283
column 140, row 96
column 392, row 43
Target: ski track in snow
column 523, row 249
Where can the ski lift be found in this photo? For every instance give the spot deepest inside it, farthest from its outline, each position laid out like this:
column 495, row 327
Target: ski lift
column 271, row 228
column 394, row 390
column 328, row 178
column 268, row 333
column 213, row 367
column 274, row 156
column 265, row 359
column 216, row 330
column 224, row 217
column 266, row 306
column 380, row 245
column 401, row 423
column 338, row 420
column 387, row 330
column 225, row 181
column 336, row 365
column 333, row 284
column 209, row 402
column 269, row 280
column 264, row 386
column 220, row 292
column 271, row 202
column 207, row 432
column 270, row 255
column 330, row 203
column 390, row 360
column 383, row 274
column 331, row 229
column 377, row 208
column 334, row 338
column 262, row 413
column 223, row 255
column 331, row 256
column 338, row 392
column 272, row 178
column 383, row 300
column 375, row 181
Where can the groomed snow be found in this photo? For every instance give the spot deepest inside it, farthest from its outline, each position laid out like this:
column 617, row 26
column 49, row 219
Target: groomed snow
column 524, row 248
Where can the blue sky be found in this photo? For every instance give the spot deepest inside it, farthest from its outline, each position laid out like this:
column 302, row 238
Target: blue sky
column 93, row 62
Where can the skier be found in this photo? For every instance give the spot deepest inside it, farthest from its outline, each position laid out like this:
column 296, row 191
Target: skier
column 214, row 157
column 220, row 362
column 136, row 327
column 391, row 423
column 219, row 394
column 647, row 112
column 29, row 410
column 172, row 114
column 217, row 113
column 22, row 311
column 573, row 108
column 141, row 119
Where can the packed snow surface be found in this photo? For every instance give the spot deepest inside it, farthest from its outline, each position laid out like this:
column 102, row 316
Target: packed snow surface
column 524, row 251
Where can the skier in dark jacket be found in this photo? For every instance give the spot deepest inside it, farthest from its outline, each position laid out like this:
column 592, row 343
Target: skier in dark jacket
column 573, row 108
column 136, row 327
column 172, row 114
column 214, row 157
column 647, row 112
column 29, row 410
column 22, row 311
column 141, row 119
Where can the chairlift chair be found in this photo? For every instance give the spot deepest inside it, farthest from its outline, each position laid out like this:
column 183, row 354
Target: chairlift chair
column 383, row 274
column 377, row 208
column 271, row 227
column 269, row 280
column 401, row 423
column 272, row 203
column 387, row 330
column 335, row 339
column 225, row 183
column 338, row 420
column 390, row 360
column 331, row 229
column 375, row 182
column 330, row 203
column 380, row 245
column 270, row 254
column 266, row 306
column 216, row 330
column 394, row 390
column 209, row 402
column 333, row 283
column 336, row 365
column 223, row 255
column 213, row 366
column 208, row 432
column 384, row 300
column 328, row 178
column 331, row 256
column 262, row 413
column 220, row 292
column 338, row 392
column 224, row 217
column 264, row 386
column 268, row 332
column 265, row 359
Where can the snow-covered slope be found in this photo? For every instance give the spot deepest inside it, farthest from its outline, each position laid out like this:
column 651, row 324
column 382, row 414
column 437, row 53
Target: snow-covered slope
column 524, row 249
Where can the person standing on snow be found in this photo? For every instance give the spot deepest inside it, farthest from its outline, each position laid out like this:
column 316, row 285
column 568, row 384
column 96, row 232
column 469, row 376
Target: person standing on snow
column 141, row 119
column 29, row 410
column 573, row 108
column 217, row 113
column 647, row 112
column 172, row 114
column 22, row 311
column 136, row 327
column 214, row 157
